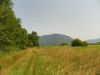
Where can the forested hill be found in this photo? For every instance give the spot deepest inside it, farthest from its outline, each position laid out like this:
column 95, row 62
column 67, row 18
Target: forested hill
column 54, row 39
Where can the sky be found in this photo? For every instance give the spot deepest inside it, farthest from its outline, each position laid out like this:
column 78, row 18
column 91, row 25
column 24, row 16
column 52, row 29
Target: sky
column 75, row 18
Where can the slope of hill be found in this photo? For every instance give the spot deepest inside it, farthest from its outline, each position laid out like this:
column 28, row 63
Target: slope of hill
column 93, row 41
column 54, row 39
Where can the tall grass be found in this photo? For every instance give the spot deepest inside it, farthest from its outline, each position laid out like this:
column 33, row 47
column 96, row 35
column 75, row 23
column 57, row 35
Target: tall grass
column 58, row 60
column 77, row 60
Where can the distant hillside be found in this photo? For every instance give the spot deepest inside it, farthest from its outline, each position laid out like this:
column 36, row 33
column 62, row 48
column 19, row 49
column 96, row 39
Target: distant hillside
column 54, row 39
column 93, row 41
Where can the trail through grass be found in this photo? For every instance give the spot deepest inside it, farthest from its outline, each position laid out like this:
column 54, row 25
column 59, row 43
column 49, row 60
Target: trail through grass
column 46, row 65
column 52, row 61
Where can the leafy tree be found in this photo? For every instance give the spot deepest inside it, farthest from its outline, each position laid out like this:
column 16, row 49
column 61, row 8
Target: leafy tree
column 22, row 39
column 11, row 32
column 78, row 42
column 33, row 37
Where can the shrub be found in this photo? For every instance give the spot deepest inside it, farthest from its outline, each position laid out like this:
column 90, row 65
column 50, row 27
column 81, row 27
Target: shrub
column 84, row 43
column 78, row 42
column 64, row 44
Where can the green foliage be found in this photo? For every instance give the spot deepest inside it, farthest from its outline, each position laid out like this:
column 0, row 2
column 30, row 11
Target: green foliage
column 9, row 48
column 22, row 40
column 98, row 42
column 33, row 37
column 64, row 44
column 78, row 42
column 84, row 43
column 11, row 32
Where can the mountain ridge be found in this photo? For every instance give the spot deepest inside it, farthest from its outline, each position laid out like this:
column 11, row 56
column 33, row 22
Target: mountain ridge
column 54, row 39
column 94, row 40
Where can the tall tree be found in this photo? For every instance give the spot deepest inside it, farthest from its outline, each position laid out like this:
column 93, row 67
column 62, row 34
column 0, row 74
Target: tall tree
column 11, row 32
column 33, row 37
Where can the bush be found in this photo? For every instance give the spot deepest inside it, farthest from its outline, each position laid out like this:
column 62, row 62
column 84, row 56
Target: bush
column 64, row 44
column 9, row 48
column 78, row 42
column 84, row 43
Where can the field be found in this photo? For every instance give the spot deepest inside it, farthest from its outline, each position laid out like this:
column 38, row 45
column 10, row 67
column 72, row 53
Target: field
column 62, row 60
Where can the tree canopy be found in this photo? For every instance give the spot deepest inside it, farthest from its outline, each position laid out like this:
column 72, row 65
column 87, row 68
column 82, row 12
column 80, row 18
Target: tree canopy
column 11, row 31
column 33, row 37
column 78, row 42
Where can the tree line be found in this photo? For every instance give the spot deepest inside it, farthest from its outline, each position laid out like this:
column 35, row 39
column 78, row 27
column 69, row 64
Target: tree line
column 11, row 32
column 76, row 42
column 13, row 35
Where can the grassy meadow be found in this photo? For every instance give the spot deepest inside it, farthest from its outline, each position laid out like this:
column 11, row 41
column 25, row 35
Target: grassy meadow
column 58, row 60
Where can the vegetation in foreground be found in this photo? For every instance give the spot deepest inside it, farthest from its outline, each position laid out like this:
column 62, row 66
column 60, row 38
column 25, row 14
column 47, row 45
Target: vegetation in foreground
column 62, row 60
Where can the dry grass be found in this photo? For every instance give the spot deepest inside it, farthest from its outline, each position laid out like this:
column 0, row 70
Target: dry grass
column 53, row 61
column 77, row 60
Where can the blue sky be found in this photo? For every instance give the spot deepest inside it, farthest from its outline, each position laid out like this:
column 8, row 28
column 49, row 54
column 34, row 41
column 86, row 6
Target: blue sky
column 75, row 18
